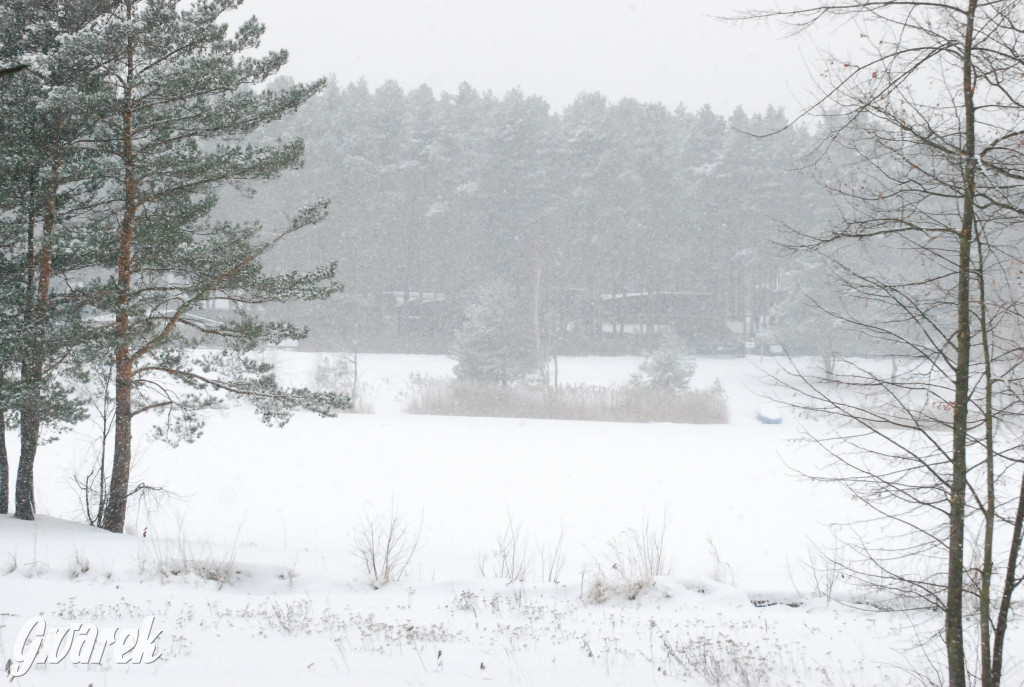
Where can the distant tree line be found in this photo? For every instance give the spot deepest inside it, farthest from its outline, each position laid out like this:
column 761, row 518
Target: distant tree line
column 604, row 223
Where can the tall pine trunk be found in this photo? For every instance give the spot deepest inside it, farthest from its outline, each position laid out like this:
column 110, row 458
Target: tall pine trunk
column 124, row 368
column 31, row 411
column 37, row 320
column 120, row 473
column 24, row 489
column 124, row 363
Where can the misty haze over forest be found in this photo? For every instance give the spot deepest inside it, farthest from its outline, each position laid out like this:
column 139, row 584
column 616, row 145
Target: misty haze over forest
column 605, row 223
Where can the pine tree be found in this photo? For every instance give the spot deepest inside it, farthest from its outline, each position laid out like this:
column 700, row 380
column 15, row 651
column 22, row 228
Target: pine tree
column 668, row 367
column 182, row 99
column 494, row 344
column 44, row 195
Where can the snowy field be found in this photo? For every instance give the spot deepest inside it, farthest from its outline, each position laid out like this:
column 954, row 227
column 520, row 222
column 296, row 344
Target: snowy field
column 251, row 573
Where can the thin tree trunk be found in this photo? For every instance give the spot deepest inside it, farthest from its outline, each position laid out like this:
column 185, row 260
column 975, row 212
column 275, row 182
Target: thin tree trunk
column 355, row 372
column 538, row 338
column 1009, row 586
column 989, row 507
column 5, row 466
column 954, row 624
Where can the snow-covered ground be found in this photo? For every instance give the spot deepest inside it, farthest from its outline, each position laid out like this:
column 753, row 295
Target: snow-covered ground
column 250, row 571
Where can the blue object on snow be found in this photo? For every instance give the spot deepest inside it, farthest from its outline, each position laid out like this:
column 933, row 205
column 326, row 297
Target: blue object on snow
column 769, row 416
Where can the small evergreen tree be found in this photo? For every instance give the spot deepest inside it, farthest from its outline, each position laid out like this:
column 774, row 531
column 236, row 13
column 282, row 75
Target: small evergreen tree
column 669, row 367
column 494, row 343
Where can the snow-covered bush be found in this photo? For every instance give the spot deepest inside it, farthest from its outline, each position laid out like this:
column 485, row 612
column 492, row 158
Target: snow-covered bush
column 602, row 585
column 631, row 562
column 669, row 367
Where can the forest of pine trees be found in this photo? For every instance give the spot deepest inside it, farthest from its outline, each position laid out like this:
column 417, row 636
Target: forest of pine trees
column 605, row 222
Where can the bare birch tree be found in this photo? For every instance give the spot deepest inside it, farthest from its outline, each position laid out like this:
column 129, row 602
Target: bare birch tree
column 928, row 107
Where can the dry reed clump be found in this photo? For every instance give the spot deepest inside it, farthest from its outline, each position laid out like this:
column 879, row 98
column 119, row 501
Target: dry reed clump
column 431, row 396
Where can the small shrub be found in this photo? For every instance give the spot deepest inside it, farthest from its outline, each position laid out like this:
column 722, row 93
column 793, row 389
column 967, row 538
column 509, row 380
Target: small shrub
column 466, row 601
column 199, row 561
column 290, row 572
column 552, row 559
column 188, row 558
column 512, row 560
column 35, row 569
column 601, row 586
column 721, row 571
column 825, row 567
column 480, row 560
column 386, row 543
column 641, row 552
column 631, row 562
column 79, row 564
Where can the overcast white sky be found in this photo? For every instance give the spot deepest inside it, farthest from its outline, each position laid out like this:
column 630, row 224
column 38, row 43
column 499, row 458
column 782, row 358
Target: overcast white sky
column 669, row 51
